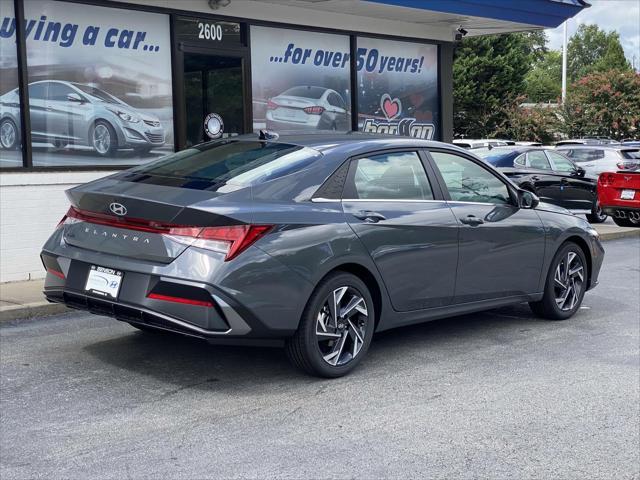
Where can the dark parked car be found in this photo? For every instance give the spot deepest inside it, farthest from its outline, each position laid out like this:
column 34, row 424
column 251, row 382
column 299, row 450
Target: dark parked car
column 317, row 240
column 551, row 176
column 67, row 113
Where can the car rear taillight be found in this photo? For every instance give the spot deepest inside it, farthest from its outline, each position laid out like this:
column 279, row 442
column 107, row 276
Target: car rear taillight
column 606, row 178
column 230, row 240
column 271, row 105
column 628, row 165
column 315, row 110
column 183, row 300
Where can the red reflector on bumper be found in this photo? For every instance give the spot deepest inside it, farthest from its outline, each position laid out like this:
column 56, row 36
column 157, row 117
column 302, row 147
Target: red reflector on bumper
column 187, row 301
column 56, row 273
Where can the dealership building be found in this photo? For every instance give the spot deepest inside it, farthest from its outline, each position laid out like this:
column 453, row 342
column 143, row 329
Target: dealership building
column 90, row 87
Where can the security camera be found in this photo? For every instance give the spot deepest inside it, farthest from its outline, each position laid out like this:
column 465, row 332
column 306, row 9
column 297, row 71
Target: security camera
column 460, row 32
column 216, row 4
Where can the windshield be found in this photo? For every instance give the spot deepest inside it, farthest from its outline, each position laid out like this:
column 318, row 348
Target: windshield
column 98, row 94
column 240, row 163
column 306, row 92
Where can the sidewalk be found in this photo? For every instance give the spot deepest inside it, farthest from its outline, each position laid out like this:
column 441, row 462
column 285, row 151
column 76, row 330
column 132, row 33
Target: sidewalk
column 19, row 300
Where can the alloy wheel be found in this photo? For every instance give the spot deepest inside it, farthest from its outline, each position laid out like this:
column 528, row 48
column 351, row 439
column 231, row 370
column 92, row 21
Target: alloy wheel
column 7, row 135
column 101, row 139
column 341, row 326
column 568, row 281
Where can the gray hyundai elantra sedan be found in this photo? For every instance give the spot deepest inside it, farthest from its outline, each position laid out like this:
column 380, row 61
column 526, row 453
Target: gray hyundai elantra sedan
column 314, row 241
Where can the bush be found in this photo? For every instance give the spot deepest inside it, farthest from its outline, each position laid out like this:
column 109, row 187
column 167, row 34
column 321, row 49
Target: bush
column 533, row 124
column 603, row 104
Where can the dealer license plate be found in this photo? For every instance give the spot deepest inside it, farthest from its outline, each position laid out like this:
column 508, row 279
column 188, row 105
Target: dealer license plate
column 104, row 282
column 627, row 194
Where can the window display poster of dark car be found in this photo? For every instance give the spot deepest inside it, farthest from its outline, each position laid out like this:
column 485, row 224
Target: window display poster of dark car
column 303, row 83
column 397, row 87
column 99, row 84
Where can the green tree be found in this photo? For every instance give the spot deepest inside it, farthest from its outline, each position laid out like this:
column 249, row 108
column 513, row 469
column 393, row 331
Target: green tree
column 543, row 83
column 594, row 50
column 534, row 124
column 488, row 72
column 606, row 104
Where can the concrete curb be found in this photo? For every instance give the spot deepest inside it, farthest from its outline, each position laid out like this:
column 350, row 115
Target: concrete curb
column 42, row 308
column 626, row 233
column 30, row 310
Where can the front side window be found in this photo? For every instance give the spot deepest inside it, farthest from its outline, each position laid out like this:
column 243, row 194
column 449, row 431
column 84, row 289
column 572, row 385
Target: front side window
column 584, row 154
column 58, row 92
column 560, row 163
column 390, row 176
column 467, row 181
column 538, row 160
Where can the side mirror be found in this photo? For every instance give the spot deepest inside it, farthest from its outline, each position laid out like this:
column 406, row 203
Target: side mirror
column 74, row 97
column 527, row 199
column 580, row 172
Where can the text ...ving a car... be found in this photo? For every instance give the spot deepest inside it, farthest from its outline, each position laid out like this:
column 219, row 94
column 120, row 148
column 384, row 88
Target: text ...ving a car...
column 67, row 113
column 551, row 176
column 315, row 240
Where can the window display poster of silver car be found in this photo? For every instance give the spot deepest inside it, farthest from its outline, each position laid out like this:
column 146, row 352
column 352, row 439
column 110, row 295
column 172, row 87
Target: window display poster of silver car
column 99, row 86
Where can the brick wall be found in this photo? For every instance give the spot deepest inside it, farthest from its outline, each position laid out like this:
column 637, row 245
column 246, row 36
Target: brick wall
column 31, row 204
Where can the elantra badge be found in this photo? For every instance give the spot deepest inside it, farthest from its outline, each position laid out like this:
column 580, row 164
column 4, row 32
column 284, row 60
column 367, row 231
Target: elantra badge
column 118, row 209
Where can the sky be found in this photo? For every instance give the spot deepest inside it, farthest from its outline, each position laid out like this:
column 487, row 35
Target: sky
column 620, row 15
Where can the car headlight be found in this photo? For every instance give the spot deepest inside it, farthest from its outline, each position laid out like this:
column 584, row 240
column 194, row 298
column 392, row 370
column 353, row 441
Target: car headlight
column 127, row 117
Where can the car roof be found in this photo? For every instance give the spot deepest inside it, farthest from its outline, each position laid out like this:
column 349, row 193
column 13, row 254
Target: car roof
column 354, row 142
column 593, row 146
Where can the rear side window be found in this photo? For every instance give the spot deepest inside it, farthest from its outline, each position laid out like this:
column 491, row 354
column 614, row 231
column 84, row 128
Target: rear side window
column 468, row 182
column 631, row 154
column 390, row 176
column 584, row 154
column 232, row 162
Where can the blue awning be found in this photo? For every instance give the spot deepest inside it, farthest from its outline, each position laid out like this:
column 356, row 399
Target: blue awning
column 534, row 13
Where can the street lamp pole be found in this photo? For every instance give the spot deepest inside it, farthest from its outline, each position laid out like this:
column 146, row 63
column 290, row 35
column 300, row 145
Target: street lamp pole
column 564, row 62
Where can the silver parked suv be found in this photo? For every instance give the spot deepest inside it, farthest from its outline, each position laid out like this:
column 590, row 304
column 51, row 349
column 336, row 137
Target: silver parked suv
column 66, row 113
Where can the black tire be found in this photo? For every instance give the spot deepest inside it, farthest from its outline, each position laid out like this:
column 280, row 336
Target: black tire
column 109, row 148
column 11, row 142
column 596, row 215
column 304, row 349
column 547, row 307
column 625, row 222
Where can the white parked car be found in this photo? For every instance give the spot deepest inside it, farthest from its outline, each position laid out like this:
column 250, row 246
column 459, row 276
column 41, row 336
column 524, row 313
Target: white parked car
column 596, row 159
column 471, row 144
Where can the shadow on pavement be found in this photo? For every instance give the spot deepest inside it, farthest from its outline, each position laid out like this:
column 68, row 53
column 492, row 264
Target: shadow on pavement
column 193, row 363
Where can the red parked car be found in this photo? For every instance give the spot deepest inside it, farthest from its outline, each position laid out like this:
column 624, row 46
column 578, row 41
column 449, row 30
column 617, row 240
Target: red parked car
column 619, row 196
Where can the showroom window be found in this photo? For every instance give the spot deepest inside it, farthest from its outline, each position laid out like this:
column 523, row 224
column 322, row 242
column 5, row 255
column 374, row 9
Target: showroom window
column 100, row 84
column 10, row 122
column 304, row 85
column 397, row 88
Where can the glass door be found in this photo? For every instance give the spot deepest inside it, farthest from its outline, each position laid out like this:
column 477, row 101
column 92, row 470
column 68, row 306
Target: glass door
column 214, row 96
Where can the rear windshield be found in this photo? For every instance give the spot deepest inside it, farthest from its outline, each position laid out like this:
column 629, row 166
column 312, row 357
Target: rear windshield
column 306, row 92
column 634, row 154
column 233, row 162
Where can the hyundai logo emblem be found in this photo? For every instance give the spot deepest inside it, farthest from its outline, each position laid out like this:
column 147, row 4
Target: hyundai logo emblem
column 118, row 208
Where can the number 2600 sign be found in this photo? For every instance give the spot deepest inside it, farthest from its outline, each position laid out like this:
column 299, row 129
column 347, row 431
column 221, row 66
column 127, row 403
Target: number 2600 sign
column 209, row 31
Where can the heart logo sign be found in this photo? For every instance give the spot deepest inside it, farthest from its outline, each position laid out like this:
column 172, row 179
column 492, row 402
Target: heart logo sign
column 390, row 107
column 393, row 125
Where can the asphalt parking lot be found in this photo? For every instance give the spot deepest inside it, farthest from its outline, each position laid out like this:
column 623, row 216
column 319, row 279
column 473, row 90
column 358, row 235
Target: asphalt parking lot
column 494, row 395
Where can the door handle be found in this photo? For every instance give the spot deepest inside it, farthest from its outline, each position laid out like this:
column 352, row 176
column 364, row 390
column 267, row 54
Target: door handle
column 535, row 178
column 369, row 216
column 472, row 220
